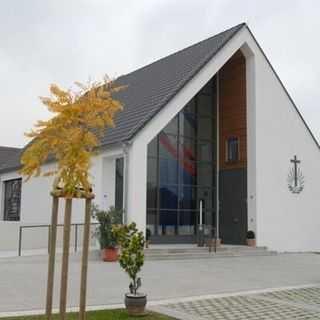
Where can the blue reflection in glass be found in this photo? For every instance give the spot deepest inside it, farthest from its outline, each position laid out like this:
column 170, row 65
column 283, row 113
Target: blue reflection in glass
column 168, row 197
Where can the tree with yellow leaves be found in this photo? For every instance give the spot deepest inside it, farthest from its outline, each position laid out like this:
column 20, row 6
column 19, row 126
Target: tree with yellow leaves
column 70, row 138
column 72, row 135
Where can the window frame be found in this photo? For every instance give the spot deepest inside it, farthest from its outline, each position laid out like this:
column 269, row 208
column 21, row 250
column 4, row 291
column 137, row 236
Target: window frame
column 227, row 149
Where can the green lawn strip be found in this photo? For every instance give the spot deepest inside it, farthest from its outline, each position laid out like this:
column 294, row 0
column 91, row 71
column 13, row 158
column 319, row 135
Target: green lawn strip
column 99, row 315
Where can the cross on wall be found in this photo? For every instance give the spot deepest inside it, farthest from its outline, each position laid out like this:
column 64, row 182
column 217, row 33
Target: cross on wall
column 295, row 162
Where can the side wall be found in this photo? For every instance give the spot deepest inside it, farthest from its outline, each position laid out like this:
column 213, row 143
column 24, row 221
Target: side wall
column 285, row 221
column 36, row 204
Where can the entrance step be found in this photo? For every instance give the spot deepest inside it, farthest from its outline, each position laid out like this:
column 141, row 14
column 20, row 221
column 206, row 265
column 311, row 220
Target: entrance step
column 187, row 252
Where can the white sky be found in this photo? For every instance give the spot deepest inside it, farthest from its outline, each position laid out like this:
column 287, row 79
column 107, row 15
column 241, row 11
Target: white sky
column 44, row 42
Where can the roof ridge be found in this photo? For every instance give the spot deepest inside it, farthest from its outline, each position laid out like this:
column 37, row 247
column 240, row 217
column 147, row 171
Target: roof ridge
column 238, row 26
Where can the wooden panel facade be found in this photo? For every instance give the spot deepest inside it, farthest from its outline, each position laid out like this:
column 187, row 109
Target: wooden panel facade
column 232, row 110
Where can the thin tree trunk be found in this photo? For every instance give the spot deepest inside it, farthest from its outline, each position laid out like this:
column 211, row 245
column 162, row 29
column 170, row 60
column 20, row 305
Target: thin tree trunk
column 52, row 254
column 65, row 259
column 84, row 264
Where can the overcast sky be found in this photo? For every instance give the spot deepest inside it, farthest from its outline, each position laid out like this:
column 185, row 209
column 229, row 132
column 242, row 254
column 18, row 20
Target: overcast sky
column 46, row 41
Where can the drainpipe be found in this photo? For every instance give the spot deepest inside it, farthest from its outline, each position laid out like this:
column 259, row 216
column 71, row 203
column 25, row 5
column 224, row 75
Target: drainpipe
column 125, row 147
column 217, row 160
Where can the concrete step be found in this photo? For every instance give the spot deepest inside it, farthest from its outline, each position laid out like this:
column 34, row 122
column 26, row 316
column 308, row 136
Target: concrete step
column 192, row 250
column 205, row 256
column 176, row 253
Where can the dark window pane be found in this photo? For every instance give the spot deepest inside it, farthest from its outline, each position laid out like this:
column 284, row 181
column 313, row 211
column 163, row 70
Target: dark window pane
column 187, row 149
column 12, row 200
column 204, row 151
column 187, row 172
column 188, row 198
column 152, row 170
column 206, row 195
column 187, row 222
column 209, row 218
column 168, row 171
column 205, row 128
column 168, row 197
column 152, row 183
column 152, row 220
column 153, row 147
column 152, row 193
column 205, row 174
column 190, row 107
column 187, row 125
column 119, row 184
column 168, row 146
column 168, row 222
column 205, row 105
column 208, row 88
column 172, row 126
column 233, row 149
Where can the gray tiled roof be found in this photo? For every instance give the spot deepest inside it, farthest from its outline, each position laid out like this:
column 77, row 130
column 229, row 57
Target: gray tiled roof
column 9, row 157
column 150, row 88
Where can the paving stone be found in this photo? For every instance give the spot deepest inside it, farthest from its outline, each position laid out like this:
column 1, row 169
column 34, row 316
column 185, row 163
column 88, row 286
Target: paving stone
column 308, row 296
column 253, row 307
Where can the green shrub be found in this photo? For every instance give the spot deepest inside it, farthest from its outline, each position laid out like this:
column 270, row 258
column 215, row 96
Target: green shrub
column 131, row 257
column 106, row 219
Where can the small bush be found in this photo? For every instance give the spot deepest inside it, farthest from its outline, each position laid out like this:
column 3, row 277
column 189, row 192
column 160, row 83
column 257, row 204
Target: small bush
column 251, row 235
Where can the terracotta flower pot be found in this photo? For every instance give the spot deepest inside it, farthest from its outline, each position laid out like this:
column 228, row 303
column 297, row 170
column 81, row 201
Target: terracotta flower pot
column 109, row 254
column 135, row 304
column 251, row 242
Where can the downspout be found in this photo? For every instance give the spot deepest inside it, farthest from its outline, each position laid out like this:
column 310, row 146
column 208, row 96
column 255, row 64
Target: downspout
column 125, row 147
column 217, row 159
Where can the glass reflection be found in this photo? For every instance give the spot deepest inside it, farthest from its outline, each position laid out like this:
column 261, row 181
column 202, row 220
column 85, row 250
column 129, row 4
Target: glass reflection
column 181, row 170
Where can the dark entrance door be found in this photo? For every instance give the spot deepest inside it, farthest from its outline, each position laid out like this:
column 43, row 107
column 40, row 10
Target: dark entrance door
column 233, row 206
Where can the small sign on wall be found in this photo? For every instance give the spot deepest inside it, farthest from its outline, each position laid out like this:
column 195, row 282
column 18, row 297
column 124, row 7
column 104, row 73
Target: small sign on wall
column 295, row 177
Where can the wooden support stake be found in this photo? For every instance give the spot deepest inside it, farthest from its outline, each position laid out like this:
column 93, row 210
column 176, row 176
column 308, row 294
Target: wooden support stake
column 84, row 263
column 52, row 254
column 65, row 259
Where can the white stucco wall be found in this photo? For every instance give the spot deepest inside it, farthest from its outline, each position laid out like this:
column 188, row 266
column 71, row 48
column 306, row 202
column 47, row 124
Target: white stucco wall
column 36, row 203
column 285, row 221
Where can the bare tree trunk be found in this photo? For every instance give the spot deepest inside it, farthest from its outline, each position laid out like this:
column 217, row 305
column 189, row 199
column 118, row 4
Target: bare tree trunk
column 52, row 254
column 84, row 263
column 65, row 259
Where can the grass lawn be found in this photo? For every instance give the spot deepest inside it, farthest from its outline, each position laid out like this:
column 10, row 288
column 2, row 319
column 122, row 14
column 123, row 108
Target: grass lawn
column 99, row 315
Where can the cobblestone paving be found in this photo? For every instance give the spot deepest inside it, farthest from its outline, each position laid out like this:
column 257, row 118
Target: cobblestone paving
column 287, row 304
column 308, row 296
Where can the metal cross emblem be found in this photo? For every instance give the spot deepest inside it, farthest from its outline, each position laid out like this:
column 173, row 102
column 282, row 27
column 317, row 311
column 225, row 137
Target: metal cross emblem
column 295, row 178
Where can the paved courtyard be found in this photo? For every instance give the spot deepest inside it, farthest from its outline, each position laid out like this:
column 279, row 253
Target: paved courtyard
column 23, row 281
column 301, row 303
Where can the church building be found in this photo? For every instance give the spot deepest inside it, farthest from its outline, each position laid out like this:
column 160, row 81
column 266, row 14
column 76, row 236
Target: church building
column 208, row 136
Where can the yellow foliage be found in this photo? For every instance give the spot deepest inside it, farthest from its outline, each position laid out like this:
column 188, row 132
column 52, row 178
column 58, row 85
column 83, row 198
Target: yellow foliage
column 72, row 135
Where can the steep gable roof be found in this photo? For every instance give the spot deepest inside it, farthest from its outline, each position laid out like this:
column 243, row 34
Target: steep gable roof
column 9, row 157
column 150, row 88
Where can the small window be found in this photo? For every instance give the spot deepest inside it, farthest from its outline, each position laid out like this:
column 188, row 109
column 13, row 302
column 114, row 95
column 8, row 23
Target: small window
column 119, row 184
column 12, row 200
column 232, row 153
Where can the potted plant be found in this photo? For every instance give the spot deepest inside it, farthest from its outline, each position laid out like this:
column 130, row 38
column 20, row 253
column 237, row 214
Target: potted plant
column 107, row 240
column 131, row 260
column 148, row 236
column 251, row 238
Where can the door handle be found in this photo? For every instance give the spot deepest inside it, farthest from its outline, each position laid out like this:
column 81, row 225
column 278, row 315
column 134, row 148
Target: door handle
column 235, row 220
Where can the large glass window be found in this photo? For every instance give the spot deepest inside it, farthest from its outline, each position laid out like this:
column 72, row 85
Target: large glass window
column 119, row 184
column 181, row 168
column 12, row 200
